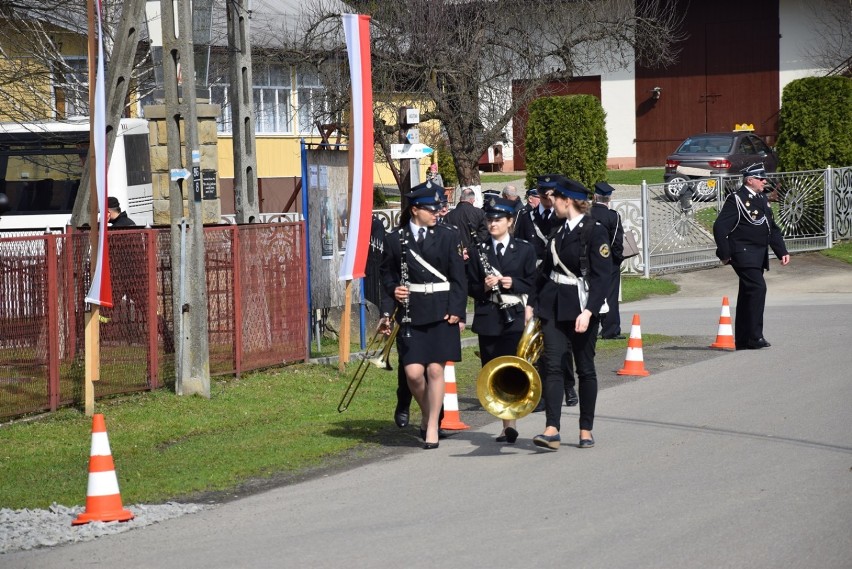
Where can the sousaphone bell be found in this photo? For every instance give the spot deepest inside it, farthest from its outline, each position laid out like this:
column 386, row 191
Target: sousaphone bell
column 509, row 387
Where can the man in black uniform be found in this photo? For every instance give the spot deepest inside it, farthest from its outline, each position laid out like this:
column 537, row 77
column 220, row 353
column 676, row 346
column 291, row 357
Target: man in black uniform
column 532, row 203
column 609, row 218
column 744, row 230
column 536, row 225
column 468, row 219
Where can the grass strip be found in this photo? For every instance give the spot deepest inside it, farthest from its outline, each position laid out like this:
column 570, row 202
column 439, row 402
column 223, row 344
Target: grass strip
column 265, row 424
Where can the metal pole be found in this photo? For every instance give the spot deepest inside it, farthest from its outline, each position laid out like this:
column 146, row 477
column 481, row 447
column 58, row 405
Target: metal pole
column 828, row 196
column 646, row 233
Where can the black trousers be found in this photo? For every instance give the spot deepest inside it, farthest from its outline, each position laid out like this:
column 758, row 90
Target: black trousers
column 611, row 321
column 565, row 352
column 491, row 347
column 751, row 301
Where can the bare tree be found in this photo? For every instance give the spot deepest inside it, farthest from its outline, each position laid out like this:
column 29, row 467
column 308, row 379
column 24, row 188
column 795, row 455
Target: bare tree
column 43, row 47
column 832, row 22
column 472, row 64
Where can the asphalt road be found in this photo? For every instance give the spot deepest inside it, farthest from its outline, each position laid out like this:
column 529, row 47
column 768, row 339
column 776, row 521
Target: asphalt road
column 739, row 460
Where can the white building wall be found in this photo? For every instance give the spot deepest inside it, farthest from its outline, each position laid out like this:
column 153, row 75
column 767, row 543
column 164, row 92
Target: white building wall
column 799, row 32
column 618, row 97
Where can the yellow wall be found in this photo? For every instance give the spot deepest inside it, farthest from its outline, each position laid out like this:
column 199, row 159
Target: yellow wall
column 278, row 157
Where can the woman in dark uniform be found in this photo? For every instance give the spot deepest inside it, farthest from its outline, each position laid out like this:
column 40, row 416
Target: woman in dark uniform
column 423, row 270
column 507, row 265
column 570, row 329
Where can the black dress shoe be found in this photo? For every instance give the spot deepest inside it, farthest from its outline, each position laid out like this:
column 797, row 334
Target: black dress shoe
column 613, row 337
column 400, row 417
column 430, row 446
column 442, row 434
column 511, row 435
column 758, row 344
column 547, row 441
column 571, row 399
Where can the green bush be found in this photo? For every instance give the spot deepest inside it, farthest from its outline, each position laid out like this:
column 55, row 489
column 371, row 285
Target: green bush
column 567, row 135
column 815, row 124
column 446, row 165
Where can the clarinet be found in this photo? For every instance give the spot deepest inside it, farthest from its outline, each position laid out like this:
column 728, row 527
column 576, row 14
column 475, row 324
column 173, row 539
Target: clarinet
column 489, row 271
column 403, row 275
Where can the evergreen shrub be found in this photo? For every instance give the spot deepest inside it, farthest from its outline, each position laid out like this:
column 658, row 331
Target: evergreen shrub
column 567, row 135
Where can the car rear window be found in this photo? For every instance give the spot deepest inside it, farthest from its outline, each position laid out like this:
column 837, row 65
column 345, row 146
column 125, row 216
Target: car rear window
column 706, row 145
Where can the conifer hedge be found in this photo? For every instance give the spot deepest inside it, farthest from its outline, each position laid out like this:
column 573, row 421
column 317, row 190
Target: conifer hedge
column 815, row 124
column 567, row 135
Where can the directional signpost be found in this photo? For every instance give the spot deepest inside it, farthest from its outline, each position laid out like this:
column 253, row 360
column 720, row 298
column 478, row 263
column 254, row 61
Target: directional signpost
column 409, row 151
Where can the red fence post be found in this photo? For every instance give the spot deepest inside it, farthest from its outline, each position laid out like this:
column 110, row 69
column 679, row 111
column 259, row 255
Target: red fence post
column 153, row 319
column 52, row 273
column 303, row 226
column 237, row 260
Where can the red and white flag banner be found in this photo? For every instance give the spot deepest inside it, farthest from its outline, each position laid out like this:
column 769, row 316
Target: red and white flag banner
column 101, row 290
column 357, row 30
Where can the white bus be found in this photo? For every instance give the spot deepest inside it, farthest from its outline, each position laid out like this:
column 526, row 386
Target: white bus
column 41, row 164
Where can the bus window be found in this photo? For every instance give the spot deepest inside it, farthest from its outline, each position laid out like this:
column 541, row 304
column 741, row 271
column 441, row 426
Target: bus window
column 138, row 159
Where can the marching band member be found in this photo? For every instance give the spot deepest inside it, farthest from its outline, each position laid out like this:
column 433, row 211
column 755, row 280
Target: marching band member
column 423, row 270
column 536, row 225
column 744, row 231
column 500, row 280
column 576, row 264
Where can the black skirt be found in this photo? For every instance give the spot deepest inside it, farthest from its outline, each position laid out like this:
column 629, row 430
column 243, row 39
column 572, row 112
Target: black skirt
column 438, row 342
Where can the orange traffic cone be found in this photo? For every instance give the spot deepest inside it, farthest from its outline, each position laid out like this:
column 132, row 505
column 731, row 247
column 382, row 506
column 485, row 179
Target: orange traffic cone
column 634, row 363
column 103, row 501
column 452, row 420
column 725, row 335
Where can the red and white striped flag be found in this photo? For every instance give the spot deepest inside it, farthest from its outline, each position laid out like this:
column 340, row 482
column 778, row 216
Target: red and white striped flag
column 357, row 30
column 101, row 289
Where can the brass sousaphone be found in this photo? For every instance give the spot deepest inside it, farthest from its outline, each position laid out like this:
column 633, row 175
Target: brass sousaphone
column 509, row 387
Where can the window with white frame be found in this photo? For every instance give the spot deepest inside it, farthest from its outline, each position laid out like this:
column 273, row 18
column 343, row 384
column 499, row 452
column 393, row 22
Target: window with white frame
column 272, row 109
column 273, row 100
column 71, row 87
column 311, row 100
column 271, row 94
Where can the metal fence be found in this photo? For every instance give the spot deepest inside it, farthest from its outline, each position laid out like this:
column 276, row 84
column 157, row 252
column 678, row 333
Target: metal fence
column 673, row 225
column 257, row 301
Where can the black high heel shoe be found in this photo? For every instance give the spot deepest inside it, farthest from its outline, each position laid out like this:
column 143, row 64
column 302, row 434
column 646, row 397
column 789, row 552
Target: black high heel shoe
column 429, row 446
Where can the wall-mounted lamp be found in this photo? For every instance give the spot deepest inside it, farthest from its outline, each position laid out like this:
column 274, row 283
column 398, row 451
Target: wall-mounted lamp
column 655, row 93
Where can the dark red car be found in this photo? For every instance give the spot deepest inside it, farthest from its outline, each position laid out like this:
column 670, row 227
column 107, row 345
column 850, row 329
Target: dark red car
column 714, row 154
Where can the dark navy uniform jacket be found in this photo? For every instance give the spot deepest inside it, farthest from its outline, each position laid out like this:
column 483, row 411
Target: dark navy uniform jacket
column 740, row 238
column 441, row 249
column 518, row 262
column 526, row 229
column 468, row 219
column 561, row 301
column 612, row 223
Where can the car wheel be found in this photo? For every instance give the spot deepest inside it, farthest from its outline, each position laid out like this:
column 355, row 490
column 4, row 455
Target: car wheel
column 705, row 190
column 674, row 187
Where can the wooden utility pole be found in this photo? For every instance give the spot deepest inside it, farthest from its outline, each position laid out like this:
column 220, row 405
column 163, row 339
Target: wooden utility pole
column 242, row 112
column 189, row 286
